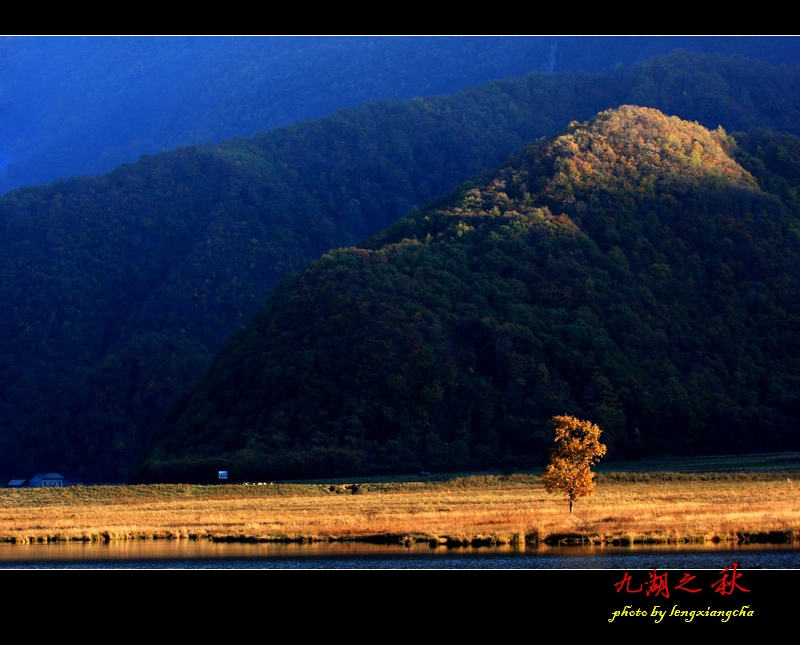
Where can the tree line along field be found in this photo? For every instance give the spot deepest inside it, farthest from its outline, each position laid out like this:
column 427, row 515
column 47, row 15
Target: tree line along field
column 626, row 508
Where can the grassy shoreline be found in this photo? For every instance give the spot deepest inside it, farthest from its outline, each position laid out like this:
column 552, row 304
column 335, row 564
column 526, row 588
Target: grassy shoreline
column 627, row 508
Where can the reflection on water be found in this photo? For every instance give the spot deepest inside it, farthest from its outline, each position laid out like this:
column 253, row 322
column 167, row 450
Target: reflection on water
column 203, row 554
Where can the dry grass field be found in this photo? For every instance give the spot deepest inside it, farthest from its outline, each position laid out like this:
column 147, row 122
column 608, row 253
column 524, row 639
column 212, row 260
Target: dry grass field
column 626, row 508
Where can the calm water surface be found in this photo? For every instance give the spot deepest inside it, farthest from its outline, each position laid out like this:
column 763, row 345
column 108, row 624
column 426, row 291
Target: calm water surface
column 201, row 554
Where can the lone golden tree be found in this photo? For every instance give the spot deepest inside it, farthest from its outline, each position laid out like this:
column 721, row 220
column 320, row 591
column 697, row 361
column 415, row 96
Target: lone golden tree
column 577, row 449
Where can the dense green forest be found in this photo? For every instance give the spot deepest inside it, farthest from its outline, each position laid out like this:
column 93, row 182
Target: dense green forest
column 117, row 291
column 629, row 271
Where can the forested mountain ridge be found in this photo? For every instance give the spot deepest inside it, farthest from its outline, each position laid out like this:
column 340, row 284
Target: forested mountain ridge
column 628, row 271
column 83, row 105
column 116, row 291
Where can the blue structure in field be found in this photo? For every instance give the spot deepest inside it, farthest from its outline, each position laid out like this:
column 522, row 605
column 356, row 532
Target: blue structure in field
column 41, row 480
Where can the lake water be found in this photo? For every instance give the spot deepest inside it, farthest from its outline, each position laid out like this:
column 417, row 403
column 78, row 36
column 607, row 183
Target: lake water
column 202, row 554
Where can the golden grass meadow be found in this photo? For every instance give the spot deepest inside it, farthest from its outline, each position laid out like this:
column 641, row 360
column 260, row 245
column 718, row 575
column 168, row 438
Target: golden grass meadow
column 627, row 508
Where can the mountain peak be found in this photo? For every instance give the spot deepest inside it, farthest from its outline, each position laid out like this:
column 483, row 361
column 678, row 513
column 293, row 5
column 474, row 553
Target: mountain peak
column 633, row 147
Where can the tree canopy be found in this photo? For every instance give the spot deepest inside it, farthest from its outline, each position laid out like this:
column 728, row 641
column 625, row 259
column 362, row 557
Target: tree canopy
column 577, row 449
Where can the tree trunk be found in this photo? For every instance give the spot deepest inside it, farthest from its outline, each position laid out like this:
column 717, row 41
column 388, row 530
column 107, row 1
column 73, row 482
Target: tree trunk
column 570, row 507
